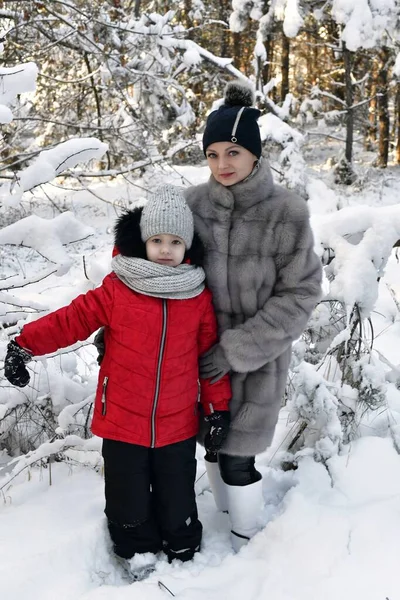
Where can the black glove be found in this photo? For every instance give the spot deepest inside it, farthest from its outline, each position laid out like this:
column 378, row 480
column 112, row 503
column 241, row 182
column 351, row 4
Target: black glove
column 14, row 365
column 100, row 345
column 213, row 364
column 219, row 421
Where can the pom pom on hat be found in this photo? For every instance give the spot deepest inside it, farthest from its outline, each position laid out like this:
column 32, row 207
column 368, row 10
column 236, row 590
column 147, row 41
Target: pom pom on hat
column 238, row 93
column 235, row 121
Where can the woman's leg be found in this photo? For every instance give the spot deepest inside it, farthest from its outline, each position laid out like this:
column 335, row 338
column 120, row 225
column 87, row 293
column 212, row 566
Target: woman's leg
column 131, row 522
column 244, row 495
column 174, row 473
column 218, row 487
column 238, row 470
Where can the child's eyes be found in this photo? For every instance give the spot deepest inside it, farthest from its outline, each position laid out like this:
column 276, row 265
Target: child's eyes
column 156, row 240
column 177, row 242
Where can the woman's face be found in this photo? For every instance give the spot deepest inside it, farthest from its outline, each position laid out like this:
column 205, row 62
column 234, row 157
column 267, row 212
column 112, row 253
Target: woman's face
column 229, row 163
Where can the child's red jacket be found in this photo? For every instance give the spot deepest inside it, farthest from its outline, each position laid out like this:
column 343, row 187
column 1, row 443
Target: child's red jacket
column 148, row 387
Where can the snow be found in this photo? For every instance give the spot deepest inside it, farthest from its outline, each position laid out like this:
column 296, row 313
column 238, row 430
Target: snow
column 330, row 533
column 14, row 81
column 293, row 20
column 47, row 236
column 191, row 57
column 396, row 68
column 365, row 22
column 362, row 238
column 49, row 164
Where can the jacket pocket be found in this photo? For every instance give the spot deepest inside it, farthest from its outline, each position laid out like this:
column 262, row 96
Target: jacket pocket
column 104, row 397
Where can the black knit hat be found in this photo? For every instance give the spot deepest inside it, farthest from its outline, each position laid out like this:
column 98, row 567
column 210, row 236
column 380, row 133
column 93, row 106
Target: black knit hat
column 235, row 121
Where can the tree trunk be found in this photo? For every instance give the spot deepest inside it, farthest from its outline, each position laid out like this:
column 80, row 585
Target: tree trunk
column 136, row 11
column 371, row 128
column 187, row 7
column 223, row 15
column 344, row 170
column 397, row 120
column 285, row 66
column 267, row 67
column 236, row 49
column 347, row 60
column 383, row 108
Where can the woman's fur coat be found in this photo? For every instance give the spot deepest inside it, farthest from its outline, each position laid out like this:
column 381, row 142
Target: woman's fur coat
column 265, row 279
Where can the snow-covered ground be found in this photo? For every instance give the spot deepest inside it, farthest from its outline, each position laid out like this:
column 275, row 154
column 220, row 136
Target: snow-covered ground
column 328, row 535
column 327, row 532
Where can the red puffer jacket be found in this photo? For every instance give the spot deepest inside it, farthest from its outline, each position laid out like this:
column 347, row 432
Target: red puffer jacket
column 148, row 385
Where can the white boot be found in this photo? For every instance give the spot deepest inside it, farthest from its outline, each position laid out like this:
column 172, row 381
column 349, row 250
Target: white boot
column 218, row 487
column 244, row 507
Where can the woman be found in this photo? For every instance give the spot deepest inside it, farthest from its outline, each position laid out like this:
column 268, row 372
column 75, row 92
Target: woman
column 265, row 279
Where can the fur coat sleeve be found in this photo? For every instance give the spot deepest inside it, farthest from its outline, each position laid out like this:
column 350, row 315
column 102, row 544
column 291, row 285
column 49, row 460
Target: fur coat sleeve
column 266, row 335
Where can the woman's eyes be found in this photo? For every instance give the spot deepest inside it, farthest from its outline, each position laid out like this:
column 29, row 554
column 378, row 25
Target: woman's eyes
column 231, row 153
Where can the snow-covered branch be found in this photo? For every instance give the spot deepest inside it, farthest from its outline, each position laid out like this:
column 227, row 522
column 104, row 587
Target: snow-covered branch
column 49, row 164
column 45, row 451
column 14, row 81
column 47, row 236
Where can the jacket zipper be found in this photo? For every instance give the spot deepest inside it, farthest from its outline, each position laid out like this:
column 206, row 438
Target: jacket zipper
column 103, row 397
column 158, row 376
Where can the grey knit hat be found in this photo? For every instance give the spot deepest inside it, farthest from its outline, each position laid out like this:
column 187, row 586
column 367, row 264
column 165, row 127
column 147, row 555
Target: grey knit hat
column 167, row 212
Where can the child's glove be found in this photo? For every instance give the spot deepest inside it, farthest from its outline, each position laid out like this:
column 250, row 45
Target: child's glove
column 219, row 421
column 14, row 365
column 214, row 364
column 100, row 345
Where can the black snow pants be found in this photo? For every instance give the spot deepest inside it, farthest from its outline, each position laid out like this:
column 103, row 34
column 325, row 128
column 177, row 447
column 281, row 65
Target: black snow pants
column 150, row 498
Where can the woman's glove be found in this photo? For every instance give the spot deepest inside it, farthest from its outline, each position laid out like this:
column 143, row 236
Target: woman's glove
column 219, row 421
column 14, row 365
column 213, row 364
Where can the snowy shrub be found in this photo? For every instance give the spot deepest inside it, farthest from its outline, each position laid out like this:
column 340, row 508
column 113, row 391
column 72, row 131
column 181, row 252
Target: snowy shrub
column 338, row 379
column 31, row 416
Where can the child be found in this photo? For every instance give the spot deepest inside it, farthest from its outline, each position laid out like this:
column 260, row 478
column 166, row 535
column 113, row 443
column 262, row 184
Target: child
column 158, row 320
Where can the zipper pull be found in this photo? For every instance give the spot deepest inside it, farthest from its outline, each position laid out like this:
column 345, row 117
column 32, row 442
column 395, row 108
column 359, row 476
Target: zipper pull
column 103, row 396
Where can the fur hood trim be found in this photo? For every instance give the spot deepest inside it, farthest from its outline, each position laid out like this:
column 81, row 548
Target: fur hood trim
column 128, row 239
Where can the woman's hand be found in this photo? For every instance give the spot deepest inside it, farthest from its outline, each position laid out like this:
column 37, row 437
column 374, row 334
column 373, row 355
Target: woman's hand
column 213, row 364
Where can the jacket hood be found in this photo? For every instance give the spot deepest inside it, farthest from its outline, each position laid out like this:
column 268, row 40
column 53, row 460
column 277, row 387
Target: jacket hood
column 128, row 239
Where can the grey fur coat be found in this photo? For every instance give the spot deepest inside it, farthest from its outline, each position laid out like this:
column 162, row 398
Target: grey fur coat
column 265, row 279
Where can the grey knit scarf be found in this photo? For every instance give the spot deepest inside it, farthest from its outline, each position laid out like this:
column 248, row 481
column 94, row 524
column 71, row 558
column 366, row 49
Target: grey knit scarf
column 161, row 281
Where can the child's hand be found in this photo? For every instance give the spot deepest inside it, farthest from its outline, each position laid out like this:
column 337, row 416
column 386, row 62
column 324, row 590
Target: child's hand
column 14, row 365
column 219, row 421
column 100, row 345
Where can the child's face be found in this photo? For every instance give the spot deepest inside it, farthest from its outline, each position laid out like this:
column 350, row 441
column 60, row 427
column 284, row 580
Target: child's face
column 165, row 249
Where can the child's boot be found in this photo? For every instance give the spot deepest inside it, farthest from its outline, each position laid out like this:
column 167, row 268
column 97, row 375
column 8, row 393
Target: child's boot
column 139, row 566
